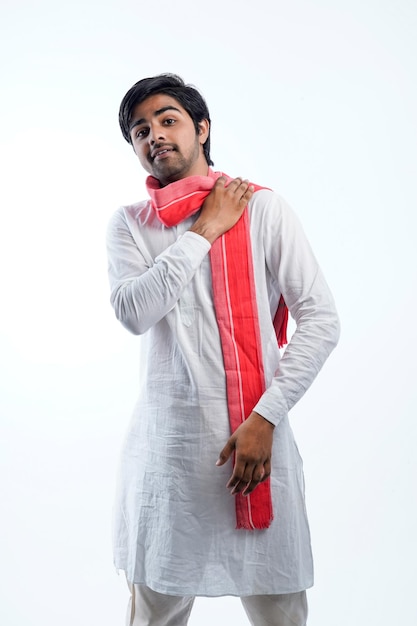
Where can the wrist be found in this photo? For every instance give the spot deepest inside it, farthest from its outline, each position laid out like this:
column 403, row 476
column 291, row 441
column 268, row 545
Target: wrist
column 205, row 230
column 263, row 420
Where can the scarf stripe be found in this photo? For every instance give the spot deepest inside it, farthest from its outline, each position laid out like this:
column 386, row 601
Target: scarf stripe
column 185, row 198
column 236, row 311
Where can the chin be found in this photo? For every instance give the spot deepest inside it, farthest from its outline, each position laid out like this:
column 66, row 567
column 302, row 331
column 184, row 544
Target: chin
column 169, row 177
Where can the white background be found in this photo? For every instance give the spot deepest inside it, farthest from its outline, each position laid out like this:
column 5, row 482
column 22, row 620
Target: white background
column 315, row 99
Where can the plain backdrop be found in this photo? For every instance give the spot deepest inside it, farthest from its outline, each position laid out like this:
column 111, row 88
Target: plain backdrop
column 317, row 100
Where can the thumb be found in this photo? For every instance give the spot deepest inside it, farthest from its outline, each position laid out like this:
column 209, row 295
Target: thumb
column 226, row 453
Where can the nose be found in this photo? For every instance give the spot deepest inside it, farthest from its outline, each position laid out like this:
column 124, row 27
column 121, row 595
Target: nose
column 156, row 134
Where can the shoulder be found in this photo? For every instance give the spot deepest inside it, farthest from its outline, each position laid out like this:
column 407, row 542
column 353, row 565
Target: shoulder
column 267, row 204
column 133, row 215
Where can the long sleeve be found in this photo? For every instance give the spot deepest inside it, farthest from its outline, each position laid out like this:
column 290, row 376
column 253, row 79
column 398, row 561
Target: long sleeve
column 144, row 289
column 297, row 275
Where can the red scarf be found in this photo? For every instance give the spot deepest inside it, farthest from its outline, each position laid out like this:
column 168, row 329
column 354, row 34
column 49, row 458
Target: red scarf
column 237, row 317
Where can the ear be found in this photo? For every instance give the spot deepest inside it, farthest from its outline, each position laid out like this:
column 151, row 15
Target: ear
column 204, row 130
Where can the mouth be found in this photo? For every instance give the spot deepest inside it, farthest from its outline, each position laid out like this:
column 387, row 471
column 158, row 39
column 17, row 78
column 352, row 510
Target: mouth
column 160, row 153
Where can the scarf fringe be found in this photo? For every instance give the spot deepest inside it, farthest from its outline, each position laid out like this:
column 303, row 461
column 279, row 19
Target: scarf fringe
column 261, row 525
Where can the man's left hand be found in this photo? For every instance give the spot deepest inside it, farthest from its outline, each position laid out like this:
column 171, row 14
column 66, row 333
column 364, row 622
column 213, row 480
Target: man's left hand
column 252, row 444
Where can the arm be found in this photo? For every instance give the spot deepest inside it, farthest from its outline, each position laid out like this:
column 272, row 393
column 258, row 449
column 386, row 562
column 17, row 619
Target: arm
column 296, row 274
column 143, row 289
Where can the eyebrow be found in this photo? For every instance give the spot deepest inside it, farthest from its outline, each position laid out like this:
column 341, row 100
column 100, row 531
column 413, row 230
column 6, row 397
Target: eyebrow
column 155, row 114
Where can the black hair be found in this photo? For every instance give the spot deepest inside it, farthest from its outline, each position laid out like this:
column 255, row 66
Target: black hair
column 172, row 85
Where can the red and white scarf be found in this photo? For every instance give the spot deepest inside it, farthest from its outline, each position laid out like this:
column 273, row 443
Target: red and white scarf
column 237, row 317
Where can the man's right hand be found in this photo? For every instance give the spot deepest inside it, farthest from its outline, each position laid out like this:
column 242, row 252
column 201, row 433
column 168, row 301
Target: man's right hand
column 222, row 208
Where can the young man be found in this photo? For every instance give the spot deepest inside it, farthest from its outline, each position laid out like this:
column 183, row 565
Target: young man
column 211, row 492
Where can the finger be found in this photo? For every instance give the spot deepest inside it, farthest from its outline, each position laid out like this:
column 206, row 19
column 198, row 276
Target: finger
column 245, row 191
column 246, row 478
column 250, row 487
column 266, row 470
column 240, row 488
column 248, row 193
column 221, row 181
column 245, row 486
column 231, row 186
column 258, row 475
column 239, row 470
column 240, row 186
column 244, row 199
column 235, row 183
column 225, row 453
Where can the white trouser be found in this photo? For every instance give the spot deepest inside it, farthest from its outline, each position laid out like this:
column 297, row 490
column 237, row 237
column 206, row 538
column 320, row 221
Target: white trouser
column 150, row 608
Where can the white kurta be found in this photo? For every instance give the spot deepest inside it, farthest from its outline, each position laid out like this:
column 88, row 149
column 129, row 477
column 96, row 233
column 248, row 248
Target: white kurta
column 174, row 527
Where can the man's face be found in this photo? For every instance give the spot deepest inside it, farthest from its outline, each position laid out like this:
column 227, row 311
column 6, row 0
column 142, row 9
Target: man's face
column 165, row 140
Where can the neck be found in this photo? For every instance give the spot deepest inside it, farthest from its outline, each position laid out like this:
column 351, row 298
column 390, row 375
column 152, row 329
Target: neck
column 199, row 170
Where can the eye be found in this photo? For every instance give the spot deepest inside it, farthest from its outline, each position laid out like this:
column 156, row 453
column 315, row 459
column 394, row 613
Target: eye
column 141, row 132
column 169, row 121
